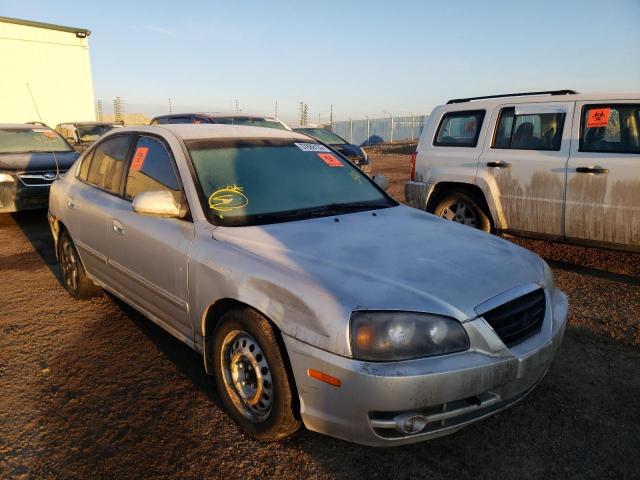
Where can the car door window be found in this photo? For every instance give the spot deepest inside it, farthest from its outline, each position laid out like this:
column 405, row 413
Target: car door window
column 459, row 129
column 610, row 128
column 535, row 131
column 105, row 169
column 151, row 168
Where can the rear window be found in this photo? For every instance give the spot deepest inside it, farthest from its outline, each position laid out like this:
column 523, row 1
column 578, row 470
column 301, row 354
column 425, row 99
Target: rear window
column 32, row 140
column 610, row 128
column 250, row 122
column 535, row 131
column 459, row 129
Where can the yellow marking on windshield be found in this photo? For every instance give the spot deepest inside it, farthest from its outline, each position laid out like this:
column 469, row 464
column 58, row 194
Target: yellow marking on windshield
column 355, row 176
column 227, row 199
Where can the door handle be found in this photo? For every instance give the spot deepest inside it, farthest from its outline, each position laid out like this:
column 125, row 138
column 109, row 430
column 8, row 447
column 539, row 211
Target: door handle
column 498, row 164
column 597, row 170
column 70, row 203
column 117, row 227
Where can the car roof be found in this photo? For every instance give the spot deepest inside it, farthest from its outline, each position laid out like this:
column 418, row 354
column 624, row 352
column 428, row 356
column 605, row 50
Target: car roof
column 219, row 115
column 90, row 123
column 22, row 126
column 472, row 104
column 188, row 131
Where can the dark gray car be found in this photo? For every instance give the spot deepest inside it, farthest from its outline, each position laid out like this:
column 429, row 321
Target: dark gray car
column 31, row 158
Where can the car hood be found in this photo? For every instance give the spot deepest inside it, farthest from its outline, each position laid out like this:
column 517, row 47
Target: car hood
column 37, row 161
column 398, row 258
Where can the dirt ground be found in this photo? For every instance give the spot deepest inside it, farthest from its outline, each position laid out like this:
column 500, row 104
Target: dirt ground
column 94, row 390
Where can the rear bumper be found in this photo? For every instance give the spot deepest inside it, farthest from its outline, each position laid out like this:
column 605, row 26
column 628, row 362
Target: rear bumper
column 376, row 399
column 416, row 194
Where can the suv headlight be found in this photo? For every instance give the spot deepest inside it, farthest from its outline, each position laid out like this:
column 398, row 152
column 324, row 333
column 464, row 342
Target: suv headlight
column 7, row 178
column 389, row 335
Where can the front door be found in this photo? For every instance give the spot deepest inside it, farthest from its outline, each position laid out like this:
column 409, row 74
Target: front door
column 149, row 255
column 603, row 178
column 524, row 163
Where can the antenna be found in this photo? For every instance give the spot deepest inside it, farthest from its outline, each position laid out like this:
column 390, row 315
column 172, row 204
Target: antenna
column 34, row 102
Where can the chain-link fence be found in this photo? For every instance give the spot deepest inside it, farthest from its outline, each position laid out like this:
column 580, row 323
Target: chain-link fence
column 378, row 130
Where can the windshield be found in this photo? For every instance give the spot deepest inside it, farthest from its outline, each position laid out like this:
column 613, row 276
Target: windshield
column 325, row 136
column 251, row 122
column 31, row 140
column 90, row 133
column 256, row 181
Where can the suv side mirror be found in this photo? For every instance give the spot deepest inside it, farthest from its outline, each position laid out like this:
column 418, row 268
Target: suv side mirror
column 159, row 203
column 381, row 181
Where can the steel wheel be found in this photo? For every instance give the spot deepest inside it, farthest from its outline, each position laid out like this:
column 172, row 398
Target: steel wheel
column 460, row 212
column 247, row 375
column 70, row 266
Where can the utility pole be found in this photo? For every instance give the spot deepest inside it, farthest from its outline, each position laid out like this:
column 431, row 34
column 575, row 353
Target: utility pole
column 170, row 107
column 276, row 109
column 237, row 109
column 304, row 113
column 331, row 117
column 318, row 119
column 118, row 109
column 99, row 110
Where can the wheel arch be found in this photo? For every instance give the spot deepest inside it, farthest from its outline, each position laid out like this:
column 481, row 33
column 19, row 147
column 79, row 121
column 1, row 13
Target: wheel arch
column 443, row 188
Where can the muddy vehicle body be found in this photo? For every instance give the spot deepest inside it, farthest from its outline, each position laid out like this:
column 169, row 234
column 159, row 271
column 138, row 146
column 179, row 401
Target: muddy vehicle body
column 556, row 165
column 307, row 289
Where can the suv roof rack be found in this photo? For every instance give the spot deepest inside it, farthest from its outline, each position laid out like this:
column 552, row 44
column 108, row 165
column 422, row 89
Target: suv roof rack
column 523, row 94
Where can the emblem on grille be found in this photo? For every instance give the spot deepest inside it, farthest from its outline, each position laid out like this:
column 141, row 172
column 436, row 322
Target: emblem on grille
column 49, row 176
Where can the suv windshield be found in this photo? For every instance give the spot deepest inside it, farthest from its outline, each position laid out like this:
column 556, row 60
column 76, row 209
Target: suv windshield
column 257, row 181
column 31, row 140
column 90, row 133
column 250, row 122
column 325, row 136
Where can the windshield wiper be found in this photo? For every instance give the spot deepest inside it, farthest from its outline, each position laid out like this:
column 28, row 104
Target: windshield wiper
column 325, row 210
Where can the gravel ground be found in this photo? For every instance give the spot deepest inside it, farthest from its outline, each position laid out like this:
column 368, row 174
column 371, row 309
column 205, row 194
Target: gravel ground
column 92, row 389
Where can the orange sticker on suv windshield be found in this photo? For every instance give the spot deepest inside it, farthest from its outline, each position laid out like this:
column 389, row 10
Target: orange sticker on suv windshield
column 330, row 160
column 138, row 158
column 598, row 117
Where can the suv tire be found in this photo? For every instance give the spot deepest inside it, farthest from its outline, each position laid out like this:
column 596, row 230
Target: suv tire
column 459, row 206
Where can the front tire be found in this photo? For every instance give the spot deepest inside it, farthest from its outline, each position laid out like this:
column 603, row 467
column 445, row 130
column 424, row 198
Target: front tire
column 461, row 207
column 74, row 276
column 251, row 376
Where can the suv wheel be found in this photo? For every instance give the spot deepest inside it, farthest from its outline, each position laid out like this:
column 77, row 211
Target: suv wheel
column 74, row 276
column 251, row 376
column 460, row 207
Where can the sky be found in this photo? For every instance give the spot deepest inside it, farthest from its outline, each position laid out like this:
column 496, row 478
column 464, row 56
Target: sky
column 366, row 58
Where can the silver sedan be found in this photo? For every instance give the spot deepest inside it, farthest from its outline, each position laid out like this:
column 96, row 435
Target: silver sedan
column 313, row 296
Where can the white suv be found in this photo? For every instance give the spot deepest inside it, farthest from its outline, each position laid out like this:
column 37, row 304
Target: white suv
column 555, row 164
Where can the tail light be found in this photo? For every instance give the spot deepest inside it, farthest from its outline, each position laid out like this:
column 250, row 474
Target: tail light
column 413, row 165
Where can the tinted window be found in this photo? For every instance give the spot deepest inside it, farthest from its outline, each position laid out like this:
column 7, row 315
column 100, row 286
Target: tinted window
column 325, row 136
column 84, row 166
column 459, row 129
column 538, row 131
column 610, row 128
column 183, row 119
column 105, row 170
column 36, row 139
column 151, row 169
column 251, row 181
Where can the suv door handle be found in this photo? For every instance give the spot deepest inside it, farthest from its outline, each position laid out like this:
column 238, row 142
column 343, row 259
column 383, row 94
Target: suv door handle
column 498, row 164
column 117, row 227
column 597, row 170
column 70, row 203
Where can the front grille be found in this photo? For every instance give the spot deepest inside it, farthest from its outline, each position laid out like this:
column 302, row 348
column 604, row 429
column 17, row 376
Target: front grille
column 519, row 319
column 38, row 179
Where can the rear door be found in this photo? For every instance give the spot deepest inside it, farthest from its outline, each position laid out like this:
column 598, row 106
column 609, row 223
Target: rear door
column 523, row 165
column 90, row 198
column 603, row 175
column 149, row 255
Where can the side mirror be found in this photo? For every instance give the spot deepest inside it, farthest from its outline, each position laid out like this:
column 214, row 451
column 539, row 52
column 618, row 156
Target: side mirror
column 381, row 181
column 159, row 203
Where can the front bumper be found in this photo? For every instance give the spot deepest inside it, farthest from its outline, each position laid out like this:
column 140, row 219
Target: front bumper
column 447, row 392
column 15, row 196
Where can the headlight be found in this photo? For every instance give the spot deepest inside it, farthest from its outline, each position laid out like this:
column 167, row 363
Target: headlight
column 6, row 178
column 388, row 335
column 548, row 276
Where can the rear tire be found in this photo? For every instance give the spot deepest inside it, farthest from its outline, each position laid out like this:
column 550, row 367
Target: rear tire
column 251, row 376
column 461, row 207
column 74, row 276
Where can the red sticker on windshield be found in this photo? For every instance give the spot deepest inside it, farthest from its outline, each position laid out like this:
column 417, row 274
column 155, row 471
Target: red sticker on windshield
column 138, row 158
column 330, row 160
column 598, row 117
